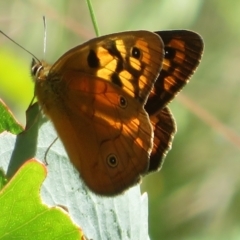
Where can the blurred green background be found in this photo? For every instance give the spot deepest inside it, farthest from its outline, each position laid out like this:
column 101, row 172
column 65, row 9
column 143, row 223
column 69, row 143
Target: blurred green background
column 196, row 194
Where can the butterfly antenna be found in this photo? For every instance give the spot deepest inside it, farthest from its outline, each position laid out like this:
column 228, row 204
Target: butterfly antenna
column 20, row 46
column 45, row 36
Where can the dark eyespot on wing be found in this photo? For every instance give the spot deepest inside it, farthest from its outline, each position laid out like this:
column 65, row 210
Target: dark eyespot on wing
column 169, row 53
column 122, row 102
column 136, row 53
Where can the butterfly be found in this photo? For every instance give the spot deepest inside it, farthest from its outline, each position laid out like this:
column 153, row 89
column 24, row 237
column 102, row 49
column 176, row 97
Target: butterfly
column 107, row 101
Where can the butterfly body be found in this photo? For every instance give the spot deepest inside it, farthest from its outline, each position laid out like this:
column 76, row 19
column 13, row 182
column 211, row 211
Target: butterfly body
column 97, row 97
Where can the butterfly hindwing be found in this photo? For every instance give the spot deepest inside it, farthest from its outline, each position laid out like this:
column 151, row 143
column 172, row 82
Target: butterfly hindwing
column 109, row 137
column 164, row 128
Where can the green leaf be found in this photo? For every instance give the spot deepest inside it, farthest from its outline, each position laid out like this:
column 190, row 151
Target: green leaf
column 7, row 120
column 24, row 216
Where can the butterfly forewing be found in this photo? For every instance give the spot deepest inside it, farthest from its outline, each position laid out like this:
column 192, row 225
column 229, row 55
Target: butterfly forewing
column 130, row 60
column 183, row 52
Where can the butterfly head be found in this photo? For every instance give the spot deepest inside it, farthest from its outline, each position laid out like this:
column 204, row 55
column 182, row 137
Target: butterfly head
column 39, row 70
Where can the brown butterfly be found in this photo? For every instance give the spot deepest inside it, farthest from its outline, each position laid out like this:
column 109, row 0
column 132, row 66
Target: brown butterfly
column 107, row 101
